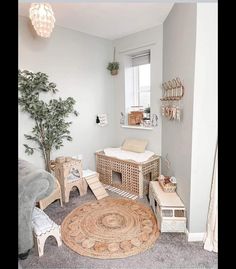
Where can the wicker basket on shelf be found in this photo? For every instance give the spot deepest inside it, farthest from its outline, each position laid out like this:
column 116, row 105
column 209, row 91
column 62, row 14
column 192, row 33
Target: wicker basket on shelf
column 167, row 187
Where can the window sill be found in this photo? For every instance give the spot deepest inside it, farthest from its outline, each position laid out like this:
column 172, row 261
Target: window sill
column 136, row 127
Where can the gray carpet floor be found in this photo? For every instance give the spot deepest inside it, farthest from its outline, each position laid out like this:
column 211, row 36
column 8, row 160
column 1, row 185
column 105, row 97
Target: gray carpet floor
column 171, row 250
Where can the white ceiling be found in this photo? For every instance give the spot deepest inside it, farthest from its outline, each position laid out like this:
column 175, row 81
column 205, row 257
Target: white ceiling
column 107, row 20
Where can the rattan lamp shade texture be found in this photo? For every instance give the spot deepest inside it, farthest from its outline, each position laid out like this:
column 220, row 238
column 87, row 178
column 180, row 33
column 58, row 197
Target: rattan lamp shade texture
column 42, row 18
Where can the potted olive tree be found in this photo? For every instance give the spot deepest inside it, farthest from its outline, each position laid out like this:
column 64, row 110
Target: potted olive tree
column 50, row 125
column 113, row 66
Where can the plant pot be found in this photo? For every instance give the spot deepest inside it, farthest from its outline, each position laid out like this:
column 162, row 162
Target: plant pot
column 114, row 72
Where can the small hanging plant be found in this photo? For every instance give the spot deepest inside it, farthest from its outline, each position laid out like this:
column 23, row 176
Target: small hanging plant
column 113, row 67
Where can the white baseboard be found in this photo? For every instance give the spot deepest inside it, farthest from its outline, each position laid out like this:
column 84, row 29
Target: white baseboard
column 192, row 237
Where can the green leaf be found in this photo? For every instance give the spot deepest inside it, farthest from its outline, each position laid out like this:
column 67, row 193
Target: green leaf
column 28, row 149
column 50, row 128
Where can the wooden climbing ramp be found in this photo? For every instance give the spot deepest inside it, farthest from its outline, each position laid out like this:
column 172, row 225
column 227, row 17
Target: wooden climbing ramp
column 95, row 185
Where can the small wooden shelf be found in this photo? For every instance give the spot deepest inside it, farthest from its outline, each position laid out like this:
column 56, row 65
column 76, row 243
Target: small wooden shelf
column 136, row 127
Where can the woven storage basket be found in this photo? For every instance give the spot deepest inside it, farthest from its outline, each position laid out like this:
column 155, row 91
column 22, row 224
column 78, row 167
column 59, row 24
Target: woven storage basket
column 169, row 187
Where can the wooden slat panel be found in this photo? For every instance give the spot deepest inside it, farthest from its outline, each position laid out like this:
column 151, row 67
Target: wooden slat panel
column 102, row 196
column 99, row 191
column 96, row 187
column 91, row 180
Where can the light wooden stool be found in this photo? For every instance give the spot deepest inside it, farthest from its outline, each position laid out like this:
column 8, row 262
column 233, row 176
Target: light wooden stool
column 43, row 227
column 69, row 173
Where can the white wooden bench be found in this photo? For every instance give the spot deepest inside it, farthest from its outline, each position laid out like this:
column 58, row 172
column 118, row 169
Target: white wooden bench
column 43, row 227
column 168, row 209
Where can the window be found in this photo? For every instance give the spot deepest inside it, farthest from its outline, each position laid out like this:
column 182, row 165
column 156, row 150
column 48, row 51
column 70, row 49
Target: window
column 138, row 87
column 141, row 79
column 141, row 84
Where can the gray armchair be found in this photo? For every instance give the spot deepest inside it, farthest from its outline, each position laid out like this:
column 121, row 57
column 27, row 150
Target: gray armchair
column 34, row 184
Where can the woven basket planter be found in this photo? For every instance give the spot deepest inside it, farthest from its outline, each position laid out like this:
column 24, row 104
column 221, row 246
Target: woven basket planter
column 114, row 72
column 169, row 187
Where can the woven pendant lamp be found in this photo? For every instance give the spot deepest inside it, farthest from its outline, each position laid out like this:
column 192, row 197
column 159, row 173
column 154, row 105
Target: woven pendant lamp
column 42, row 18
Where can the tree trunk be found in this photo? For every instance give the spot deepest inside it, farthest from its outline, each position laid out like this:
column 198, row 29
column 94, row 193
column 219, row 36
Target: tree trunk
column 47, row 161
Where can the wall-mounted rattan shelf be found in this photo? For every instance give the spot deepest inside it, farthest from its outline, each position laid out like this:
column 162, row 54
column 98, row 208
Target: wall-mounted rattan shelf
column 174, row 98
column 172, row 90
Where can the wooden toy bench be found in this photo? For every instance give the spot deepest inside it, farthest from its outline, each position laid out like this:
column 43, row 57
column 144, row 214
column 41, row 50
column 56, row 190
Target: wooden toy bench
column 43, row 227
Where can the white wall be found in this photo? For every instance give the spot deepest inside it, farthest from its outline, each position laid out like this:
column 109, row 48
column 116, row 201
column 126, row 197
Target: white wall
column 179, row 39
column 190, row 52
column 76, row 62
column 130, row 44
column 204, row 132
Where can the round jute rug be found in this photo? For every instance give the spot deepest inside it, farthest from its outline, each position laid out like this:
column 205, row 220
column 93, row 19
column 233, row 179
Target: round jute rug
column 110, row 228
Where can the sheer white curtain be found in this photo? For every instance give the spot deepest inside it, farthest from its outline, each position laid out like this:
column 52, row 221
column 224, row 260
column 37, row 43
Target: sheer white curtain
column 211, row 241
